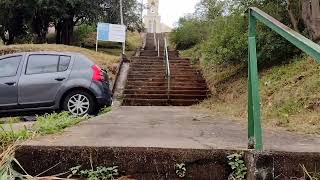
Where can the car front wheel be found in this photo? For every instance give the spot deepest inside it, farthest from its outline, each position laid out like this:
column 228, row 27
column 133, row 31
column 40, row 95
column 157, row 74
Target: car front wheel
column 80, row 103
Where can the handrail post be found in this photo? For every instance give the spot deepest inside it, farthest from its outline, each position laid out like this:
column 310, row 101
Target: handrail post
column 155, row 40
column 168, row 71
column 158, row 47
column 254, row 114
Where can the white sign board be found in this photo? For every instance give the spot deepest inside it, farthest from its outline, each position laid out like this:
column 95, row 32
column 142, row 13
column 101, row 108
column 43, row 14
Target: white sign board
column 111, row 32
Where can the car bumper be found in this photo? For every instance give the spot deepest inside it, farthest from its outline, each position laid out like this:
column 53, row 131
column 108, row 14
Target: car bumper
column 102, row 93
column 103, row 101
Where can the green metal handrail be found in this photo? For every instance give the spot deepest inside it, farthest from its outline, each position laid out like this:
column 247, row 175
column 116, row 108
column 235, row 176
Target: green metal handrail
column 303, row 43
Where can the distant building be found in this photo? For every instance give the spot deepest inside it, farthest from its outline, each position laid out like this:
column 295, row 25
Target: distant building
column 152, row 20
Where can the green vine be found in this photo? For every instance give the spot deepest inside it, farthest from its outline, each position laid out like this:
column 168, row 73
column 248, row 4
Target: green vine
column 239, row 169
column 100, row 173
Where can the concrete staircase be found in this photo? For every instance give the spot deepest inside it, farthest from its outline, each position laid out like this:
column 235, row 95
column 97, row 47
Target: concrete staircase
column 147, row 84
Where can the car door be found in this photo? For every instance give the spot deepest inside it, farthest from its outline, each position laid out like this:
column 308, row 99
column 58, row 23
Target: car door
column 9, row 77
column 44, row 75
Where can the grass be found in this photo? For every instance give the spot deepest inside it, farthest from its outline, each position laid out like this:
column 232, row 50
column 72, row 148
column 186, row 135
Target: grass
column 9, row 120
column 45, row 124
column 290, row 94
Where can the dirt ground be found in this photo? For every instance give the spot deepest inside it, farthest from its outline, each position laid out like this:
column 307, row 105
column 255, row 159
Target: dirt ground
column 171, row 127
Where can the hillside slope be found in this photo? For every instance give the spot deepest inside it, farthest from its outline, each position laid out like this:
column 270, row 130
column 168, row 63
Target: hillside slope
column 290, row 94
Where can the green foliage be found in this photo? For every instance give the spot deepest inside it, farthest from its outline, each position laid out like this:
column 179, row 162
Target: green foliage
column 9, row 136
column 238, row 166
column 100, row 173
column 55, row 122
column 227, row 42
column 46, row 124
column 105, row 110
column 221, row 39
column 187, row 34
column 82, row 32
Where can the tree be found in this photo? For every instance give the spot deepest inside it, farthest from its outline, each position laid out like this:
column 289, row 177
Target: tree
column 72, row 13
column 14, row 17
column 209, row 9
column 131, row 12
column 44, row 13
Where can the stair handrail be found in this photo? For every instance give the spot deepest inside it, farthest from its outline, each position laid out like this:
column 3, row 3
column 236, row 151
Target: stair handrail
column 155, row 40
column 303, row 43
column 167, row 63
column 158, row 47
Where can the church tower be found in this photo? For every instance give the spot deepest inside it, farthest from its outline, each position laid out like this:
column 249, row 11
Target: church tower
column 152, row 20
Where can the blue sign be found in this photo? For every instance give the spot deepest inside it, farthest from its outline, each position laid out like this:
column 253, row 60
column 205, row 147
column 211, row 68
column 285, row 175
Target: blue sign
column 103, row 32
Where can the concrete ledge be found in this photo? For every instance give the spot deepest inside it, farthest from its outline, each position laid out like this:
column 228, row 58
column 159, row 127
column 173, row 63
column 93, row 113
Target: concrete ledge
column 140, row 163
column 280, row 165
column 159, row 163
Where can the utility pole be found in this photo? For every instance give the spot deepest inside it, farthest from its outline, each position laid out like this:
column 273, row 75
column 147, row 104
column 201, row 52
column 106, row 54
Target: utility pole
column 122, row 23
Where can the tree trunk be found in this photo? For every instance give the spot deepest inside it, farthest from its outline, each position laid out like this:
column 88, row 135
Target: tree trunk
column 311, row 18
column 293, row 19
column 67, row 30
column 58, row 32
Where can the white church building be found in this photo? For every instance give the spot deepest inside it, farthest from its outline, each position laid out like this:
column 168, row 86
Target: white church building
column 152, row 20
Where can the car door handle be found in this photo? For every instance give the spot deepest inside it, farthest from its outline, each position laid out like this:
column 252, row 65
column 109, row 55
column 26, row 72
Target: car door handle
column 10, row 83
column 60, row 79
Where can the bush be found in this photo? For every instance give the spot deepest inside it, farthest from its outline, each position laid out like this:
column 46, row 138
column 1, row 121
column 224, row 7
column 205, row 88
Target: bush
column 224, row 39
column 81, row 33
column 189, row 33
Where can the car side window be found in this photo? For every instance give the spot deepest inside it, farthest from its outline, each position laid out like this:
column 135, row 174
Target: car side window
column 64, row 62
column 39, row 64
column 9, row 66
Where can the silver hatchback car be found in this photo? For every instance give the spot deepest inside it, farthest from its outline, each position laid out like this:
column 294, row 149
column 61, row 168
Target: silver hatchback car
column 52, row 81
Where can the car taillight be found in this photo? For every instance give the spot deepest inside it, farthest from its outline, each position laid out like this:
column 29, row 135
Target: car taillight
column 97, row 73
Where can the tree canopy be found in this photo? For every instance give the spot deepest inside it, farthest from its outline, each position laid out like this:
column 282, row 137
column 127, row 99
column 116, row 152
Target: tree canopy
column 22, row 18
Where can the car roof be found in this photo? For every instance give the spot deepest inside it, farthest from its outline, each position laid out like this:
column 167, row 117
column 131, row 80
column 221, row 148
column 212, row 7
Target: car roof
column 43, row 52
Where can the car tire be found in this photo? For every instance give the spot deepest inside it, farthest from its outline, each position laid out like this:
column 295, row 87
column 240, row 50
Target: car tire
column 80, row 103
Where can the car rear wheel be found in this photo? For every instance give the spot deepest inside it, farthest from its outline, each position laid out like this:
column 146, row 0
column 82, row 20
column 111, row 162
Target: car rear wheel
column 80, row 103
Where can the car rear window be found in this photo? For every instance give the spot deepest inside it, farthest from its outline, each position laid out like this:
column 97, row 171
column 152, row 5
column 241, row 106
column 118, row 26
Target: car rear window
column 64, row 63
column 9, row 66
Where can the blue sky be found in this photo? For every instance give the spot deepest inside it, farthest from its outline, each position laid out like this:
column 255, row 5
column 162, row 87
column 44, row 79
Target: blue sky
column 172, row 10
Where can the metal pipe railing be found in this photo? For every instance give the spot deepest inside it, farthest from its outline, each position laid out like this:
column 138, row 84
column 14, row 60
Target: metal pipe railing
column 167, row 63
column 306, row 45
column 158, row 47
column 155, row 40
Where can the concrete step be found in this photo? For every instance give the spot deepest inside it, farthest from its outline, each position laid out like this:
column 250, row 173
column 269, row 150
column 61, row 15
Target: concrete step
column 159, row 102
column 186, row 92
column 163, row 79
column 146, row 69
column 183, row 84
column 173, row 70
column 152, row 58
column 160, row 63
column 166, row 87
column 173, row 76
column 181, row 66
column 165, row 96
